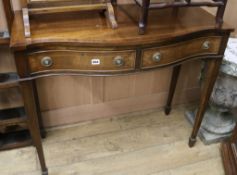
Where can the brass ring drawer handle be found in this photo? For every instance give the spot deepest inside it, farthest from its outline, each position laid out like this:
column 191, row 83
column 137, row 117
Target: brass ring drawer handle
column 119, row 61
column 206, row 45
column 156, row 57
column 47, row 61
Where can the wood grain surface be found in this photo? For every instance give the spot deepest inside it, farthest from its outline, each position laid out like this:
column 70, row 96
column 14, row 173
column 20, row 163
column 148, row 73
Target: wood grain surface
column 83, row 61
column 140, row 143
column 176, row 52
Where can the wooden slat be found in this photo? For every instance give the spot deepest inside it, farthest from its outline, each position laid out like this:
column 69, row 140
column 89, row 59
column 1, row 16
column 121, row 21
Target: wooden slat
column 16, row 145
column 51, row 3
column 15, row 140
column 10, row 98
column 15, row 121
column 74, row 8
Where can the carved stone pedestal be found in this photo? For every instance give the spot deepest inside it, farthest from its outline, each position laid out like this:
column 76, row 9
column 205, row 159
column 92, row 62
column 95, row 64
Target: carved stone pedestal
column 215, row 127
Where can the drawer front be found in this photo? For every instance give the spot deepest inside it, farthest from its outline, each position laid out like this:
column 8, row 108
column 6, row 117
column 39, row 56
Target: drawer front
column 82, row 61
column 170, row 54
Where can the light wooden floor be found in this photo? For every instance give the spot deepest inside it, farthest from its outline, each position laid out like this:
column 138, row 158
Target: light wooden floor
column 143, row 143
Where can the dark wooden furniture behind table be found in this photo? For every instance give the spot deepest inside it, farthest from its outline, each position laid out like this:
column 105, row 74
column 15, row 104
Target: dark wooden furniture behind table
column 147, row 5
column 14, row 123
column 85, row 45
column 229, row 154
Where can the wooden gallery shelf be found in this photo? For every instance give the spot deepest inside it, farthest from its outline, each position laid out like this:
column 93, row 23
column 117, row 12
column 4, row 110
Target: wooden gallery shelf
column 13, row 121
column 13, row 129
column 15, row 140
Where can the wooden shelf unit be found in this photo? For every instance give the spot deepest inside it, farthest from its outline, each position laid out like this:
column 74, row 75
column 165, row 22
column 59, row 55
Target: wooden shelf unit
column 15, row 140
column 14, row 131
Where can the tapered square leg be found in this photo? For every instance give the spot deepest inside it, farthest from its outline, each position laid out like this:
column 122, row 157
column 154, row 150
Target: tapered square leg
column 173, row 83
column 40, row 120
column 209, row 81
column 27, row 89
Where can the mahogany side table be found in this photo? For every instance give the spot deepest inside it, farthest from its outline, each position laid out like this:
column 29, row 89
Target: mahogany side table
column 85, row 45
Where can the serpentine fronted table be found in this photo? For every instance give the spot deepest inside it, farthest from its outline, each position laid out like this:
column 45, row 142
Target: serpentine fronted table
column 73, row 44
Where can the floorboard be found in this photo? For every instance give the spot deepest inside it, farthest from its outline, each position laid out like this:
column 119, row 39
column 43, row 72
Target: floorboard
column 140, row 143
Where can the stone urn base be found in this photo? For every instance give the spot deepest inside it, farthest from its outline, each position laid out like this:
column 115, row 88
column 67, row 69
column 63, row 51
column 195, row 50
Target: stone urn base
column 216, row 126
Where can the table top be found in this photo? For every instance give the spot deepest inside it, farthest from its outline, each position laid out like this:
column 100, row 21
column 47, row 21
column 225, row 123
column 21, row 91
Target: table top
column 92, row 29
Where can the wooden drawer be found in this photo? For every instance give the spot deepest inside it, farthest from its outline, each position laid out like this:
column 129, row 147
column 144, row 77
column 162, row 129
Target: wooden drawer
column 71, row 60
column 171, row 54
